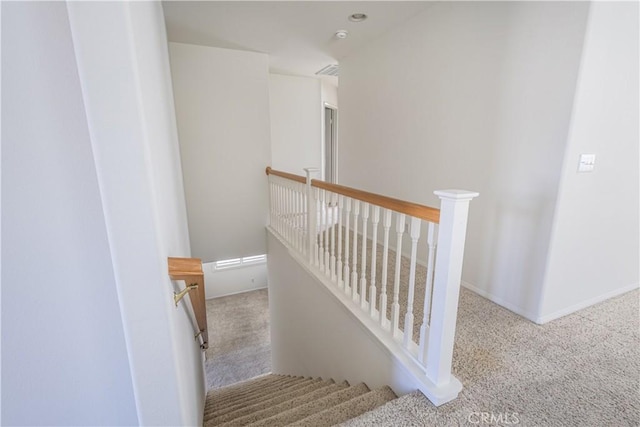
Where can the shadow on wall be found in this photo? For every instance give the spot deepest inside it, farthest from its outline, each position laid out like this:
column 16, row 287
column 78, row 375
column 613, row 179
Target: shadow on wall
column 515, row 264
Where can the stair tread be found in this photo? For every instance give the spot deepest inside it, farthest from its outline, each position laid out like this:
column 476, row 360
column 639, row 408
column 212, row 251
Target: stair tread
column 240, row 399
column 259, row 389
column 401, row 411
column 248, row 406
column 258, row 417
column 314, row 407
column 277, row 400
column 349, row 409
column 226, row 394
column 231, row 388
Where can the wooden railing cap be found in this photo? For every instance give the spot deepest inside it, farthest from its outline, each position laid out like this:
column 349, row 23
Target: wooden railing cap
column 414, row 209
column 287, row 175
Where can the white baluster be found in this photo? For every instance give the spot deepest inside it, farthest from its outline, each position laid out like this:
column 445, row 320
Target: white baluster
column 408, row 318
column 363, row 266
column 374, row 246
column 395, row 305
column 454, row 210
column 292, row 236
column 333, row 222
column 326, row 224
column 283, row 210
column 304, row 218
column 428, row 288
column 339, row 260
column 299, row 210
column 321, row 212
column 311, row 210
column 278, row 209
column 287, row 212
column 270, row 201
column 315, row 196
column 274, row 204
column 354, row 258
column 347, row 264
column 386, row 225
column 293, row 218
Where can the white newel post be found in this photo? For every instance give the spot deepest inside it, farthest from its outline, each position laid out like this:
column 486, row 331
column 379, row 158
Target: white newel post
column 454, row 209
column 312, row 220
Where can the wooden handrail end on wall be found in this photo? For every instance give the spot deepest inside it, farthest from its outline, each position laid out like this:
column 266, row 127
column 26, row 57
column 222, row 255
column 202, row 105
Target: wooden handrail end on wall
column 190, row 270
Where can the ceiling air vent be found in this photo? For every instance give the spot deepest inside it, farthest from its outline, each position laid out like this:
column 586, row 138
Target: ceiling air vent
column 329, row 70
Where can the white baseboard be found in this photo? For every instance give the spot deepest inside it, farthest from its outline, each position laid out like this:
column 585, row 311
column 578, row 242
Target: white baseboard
column 237, row 293
column 231, row 281
column 518, row 310
column 552, row 316
column 586, row 303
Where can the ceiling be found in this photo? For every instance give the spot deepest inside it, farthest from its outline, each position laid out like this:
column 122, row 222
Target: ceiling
column 298, row 36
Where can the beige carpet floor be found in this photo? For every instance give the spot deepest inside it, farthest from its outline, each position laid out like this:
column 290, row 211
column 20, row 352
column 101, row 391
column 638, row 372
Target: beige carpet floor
column 239, row 341
column 581, row 370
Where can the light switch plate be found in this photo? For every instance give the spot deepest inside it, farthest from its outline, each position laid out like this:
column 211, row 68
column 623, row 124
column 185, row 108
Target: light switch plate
column 587, row 163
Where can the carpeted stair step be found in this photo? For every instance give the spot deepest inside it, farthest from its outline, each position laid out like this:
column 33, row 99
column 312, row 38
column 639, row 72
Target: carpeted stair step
column 314, row 407
column 277, row 400
column 212, row 405
column 258, row 396
column 260, row 383
column 349, row 409
column 263, row 391
column 251, row 406
column 276, row 381
column 400, row 412
column 264, row 417
column 215, row 405
column 246, row 385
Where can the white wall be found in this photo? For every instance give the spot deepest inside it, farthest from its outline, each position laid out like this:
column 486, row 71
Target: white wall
column 296, row 118
column 594, row 248
column 476, row 96
column 222, row 110
column 122, row 56
column 64, row 357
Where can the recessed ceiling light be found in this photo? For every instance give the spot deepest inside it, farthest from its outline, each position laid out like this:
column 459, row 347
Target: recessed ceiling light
column 357, row 17
column 342, row 34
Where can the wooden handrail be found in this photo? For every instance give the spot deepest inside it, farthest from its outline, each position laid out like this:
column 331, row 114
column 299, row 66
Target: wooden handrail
column 286, row 175
column 414, row 209
column 190, row 270
column 419, row 211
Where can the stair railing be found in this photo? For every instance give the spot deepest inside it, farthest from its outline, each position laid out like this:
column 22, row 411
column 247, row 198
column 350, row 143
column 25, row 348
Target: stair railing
column 329, row 226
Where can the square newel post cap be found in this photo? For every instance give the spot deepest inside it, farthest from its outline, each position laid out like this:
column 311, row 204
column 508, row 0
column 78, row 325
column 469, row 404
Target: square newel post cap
column 311, row 170
column 456, row 195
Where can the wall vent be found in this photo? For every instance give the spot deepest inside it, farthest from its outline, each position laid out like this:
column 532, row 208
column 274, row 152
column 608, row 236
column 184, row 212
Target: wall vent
column 329, row 70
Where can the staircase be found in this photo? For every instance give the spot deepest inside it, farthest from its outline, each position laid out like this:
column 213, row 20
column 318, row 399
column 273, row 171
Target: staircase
column 279, row 400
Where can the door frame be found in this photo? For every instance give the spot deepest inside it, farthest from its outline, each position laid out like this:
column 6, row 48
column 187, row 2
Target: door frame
column 334, row 129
